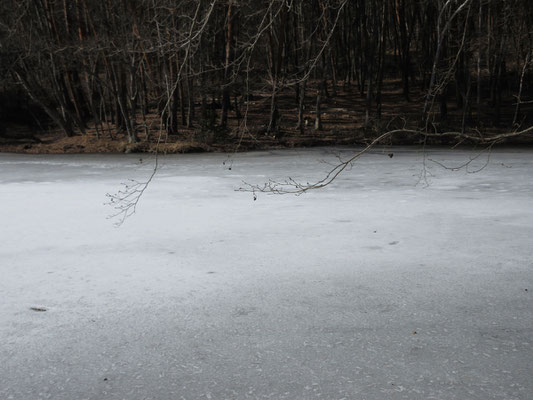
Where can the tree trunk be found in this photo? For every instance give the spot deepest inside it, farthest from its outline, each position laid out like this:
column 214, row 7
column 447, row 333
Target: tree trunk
column 227, row 65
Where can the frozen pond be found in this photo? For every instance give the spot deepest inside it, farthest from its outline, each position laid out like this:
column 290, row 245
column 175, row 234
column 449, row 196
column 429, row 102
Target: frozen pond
column 388, row 284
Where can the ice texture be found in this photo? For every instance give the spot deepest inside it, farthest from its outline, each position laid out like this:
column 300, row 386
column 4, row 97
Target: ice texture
column 401, row 280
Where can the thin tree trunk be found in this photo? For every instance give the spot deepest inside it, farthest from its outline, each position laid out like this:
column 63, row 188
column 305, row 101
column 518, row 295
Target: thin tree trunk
column 318, row 119
column 227, row 65
column 521, row 85
column 478, row 87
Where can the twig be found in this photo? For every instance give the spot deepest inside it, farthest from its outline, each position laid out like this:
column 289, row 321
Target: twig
column 291, row 186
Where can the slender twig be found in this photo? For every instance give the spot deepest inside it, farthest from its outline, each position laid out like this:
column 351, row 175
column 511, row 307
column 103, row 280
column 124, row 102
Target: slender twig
column 292, row 186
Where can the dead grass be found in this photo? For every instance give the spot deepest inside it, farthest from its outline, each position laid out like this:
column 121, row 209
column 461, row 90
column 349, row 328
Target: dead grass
column 343, row 124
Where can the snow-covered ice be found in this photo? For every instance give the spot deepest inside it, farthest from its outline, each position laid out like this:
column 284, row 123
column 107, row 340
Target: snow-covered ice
column 388, row 284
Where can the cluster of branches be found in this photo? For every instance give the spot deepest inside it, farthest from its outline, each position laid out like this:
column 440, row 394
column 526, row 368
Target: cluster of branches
column 113, row 65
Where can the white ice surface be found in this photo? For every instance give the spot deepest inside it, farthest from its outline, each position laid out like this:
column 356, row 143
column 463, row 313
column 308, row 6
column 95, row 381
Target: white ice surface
column 207, row 294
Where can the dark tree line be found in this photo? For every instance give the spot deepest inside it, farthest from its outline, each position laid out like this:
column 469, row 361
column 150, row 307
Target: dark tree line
column 143, row 67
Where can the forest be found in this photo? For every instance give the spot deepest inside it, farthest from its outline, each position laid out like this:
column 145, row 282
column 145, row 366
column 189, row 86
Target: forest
column 266, row 73
column 355, row 222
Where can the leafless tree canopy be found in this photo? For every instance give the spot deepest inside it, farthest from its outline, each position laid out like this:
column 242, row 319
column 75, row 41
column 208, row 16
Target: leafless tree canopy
column 145, row 67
